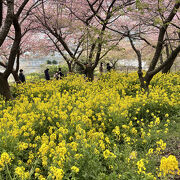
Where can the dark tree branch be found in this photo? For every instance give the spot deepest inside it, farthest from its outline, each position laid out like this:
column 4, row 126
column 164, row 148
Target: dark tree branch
column 8, row 21
column 21, row 8
column 14, row 49
column 162, row 32
column 171, row 58
column 3, row 65
column 147, row 42
column 57, row 47
column 138, row 53
column 1, row 12
column 111, row 48
column 100, row 38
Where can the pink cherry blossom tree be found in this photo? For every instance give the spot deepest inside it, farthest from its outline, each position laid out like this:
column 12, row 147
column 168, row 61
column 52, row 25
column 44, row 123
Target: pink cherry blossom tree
column 26, row 43
column 12, row 14
column 80, row 27
column 156, row 24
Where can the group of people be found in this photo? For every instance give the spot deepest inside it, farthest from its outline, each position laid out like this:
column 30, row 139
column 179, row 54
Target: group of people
column 101, row 69
column 59, row 74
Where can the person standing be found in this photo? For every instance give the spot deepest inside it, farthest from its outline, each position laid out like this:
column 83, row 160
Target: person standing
column 56, row 75
column 60, row 73
column 46, row 72
column 108, row 67
column 21, row 76
column 101, row 68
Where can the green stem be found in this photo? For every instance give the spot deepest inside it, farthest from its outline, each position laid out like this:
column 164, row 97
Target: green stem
column 8, row 172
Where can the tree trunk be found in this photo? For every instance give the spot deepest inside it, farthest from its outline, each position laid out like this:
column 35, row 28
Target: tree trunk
column 14, row 48
column 144, row 81
column 90, row 73
column 4, row 88
column 145, row 85
column 73, row 66
column 70, row 67
column 16, row 77
column 161, row 58
column 1, row 12
column 167, row 68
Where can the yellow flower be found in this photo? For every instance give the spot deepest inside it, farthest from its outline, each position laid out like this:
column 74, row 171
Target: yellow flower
column 57, row 172
column 5, row 158
column 78, row 156
column 127, row 139
column 168, row 121
column 125, row 126
column 150, row 151
column 108, row 154
column 101, row 144
column 160, row 145
column 157, row 121
column 133, row 155
column 37, row 170
column 141, row 167
column 169, row 165
column 116, row 130
column 107, row 140
column 130, row 123
column 134, row 131
column 20, row 171
column 96, row 151
column 75, row 169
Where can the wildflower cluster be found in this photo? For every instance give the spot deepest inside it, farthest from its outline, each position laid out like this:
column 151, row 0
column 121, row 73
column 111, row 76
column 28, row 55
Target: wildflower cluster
column 106, row 129
column 169, row 165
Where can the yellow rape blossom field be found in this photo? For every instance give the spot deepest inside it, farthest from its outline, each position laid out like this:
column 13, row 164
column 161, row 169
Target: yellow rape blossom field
column 103, row 130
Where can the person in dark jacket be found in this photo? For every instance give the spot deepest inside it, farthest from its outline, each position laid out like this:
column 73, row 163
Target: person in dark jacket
column 46, row 72
column 108, row 67
column 21, row 76
column 60, row 73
